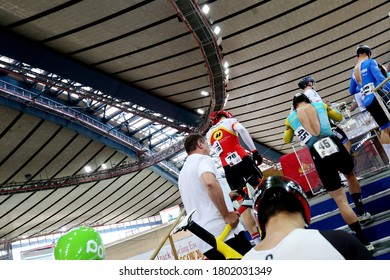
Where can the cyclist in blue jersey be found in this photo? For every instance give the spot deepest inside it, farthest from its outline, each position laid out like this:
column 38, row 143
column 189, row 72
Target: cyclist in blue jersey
column 367, row 71
column 310, row 123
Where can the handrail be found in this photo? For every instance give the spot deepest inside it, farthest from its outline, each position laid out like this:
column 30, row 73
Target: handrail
column 168, row 235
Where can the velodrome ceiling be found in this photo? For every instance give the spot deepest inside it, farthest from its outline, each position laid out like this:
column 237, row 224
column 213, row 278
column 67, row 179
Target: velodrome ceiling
column 142, row 53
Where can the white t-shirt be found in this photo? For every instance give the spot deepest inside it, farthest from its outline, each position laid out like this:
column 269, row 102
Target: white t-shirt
column 313, row 96
column 194, row 196
column 300, row 244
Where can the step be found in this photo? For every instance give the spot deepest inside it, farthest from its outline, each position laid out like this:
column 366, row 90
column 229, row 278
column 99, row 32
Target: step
column 376, row 199
column 374, row 204
column 382, row 249
column 378, row 232
column 323, row 203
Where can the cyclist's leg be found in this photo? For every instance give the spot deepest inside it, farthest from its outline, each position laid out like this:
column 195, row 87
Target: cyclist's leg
column 235, row 178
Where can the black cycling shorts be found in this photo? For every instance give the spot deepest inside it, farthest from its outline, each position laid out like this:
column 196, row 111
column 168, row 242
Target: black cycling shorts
column 339, row 133
column 328, row 167
column 237, row 175
column 377, row 112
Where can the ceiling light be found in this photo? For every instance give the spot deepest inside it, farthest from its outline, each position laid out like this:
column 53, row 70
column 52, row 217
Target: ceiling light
column 226, row 71
column 226, row 64
column 204, row 93
column 104, row 166
column 217, row 30
column 226, row 100
column 87, row 169
column 200, row 111
column 205, row 9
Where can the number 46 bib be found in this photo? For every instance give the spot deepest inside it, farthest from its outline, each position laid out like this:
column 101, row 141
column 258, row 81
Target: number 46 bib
column 325, row 147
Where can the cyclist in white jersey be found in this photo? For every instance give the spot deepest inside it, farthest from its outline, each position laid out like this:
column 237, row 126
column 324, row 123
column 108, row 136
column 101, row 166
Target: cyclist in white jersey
column 282, row 211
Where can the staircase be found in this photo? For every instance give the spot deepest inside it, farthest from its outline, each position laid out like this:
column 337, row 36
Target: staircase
column 376, row 199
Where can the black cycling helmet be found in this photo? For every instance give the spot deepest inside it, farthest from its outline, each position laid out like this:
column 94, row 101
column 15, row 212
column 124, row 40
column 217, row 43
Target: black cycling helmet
column 298, row 98
column 279, row 193
column 363, row 49
column 305, row 81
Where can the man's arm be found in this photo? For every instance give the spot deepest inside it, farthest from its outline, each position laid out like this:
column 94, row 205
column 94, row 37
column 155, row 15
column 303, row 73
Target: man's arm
column 246, row 137
column 244, row 133
column 288, row 132
column 333, row 114
column 376, row 72
column 215, row 193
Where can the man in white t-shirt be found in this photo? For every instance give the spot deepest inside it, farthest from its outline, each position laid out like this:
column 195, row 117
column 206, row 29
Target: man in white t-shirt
column 200, row 189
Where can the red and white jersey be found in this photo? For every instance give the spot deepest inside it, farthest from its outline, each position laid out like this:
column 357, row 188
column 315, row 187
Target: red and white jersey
column 225, row 142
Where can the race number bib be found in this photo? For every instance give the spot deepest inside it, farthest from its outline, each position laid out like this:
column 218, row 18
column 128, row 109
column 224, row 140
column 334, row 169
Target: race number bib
column 302, row 134
column 217, row 148
column 325, row 147
column 233, row 159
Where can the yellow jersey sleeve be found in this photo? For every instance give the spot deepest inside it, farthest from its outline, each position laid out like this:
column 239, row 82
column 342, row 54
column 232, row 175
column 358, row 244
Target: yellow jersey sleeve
column 288, row 132
column 333, row 114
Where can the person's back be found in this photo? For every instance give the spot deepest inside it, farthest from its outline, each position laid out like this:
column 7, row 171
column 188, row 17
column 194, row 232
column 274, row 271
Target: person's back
column 283, row 214
column 308, row 117
column 194, row 194
column 366, row 71
column 224, row 140
column 310, row 122
column 311, row 244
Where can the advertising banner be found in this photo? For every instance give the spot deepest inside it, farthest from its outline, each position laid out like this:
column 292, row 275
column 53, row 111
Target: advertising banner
column 299, row 166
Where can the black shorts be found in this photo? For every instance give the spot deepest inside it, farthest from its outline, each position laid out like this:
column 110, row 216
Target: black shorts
column 339, row 133
column 377, row 112
column 237, row 175
column 329, row 166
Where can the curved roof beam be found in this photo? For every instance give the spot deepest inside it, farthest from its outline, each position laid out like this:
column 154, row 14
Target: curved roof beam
column 198, row 24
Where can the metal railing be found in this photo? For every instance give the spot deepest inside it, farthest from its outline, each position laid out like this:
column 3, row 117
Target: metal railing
column 147, row 157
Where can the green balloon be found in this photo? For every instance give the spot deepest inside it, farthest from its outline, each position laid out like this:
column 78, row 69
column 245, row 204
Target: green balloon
column 83, row 243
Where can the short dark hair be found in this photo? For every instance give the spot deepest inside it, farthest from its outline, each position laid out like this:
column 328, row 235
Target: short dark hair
column 298, row 98
column 192, row 141
column 361, row 49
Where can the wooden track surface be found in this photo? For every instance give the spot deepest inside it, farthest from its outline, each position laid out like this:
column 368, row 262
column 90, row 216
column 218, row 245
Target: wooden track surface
column 141, row 243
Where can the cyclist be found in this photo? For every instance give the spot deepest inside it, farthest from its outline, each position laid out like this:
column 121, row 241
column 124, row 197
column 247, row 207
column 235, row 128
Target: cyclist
column 238, row 165
column 310, row 122
column 283, row 213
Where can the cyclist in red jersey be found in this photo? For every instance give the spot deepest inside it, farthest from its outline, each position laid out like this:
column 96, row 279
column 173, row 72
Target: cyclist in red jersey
column 239, row 166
